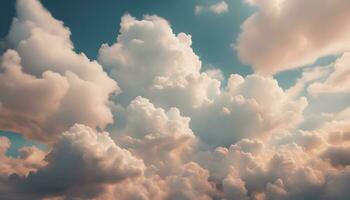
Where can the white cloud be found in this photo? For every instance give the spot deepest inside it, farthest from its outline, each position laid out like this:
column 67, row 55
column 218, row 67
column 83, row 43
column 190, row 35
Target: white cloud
column 216, row 8
column 256, row 100
column 46, row 86
column 168, row 73
column 163, row 139
column 149, row 50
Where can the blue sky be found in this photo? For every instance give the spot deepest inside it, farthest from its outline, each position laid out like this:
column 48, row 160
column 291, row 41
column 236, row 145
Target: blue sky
column 18, row 141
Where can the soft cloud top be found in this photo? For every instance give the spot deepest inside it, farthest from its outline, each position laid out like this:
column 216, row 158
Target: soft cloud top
column 176, row 131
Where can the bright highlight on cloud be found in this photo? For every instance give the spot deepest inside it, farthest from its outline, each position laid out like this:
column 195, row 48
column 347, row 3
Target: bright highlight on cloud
column 175, row 130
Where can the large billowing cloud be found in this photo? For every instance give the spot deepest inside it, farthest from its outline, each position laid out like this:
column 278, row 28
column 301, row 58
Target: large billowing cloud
column 149, row 51
column 180, row 134
column 45, row 86
column 285, row 34
column 168, row 73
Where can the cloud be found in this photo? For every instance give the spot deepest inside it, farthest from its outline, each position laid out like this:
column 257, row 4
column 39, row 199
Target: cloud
column 254, row 99
column 30, row 159
column 337, row 82
column 80, row 163
column 327, row 92
column 45, row 90
column 189, row 183
column 163, row 139
column 286, row 34
column 336, row 187
column 338, row 155
column 149, row 50
column 218, row 8
column 179, row 133
column 168, row 74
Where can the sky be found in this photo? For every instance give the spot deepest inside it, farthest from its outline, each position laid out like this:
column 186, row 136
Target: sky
column 187, row 99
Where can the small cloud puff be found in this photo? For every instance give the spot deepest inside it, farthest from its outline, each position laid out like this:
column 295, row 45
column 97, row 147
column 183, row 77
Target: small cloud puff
column 218, row 8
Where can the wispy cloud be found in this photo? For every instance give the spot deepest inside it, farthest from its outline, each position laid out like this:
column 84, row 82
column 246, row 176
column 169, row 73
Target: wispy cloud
column 217, row 8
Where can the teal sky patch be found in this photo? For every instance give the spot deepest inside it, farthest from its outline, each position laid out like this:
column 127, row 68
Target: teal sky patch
column 18, row 141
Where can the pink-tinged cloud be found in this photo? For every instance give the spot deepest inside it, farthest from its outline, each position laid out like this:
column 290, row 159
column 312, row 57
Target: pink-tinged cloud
column 286, row 34
column 176, row 131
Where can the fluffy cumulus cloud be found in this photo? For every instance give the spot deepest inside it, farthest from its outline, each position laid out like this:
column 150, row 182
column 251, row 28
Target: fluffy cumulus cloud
column 46, row 89
column 254, row 99
column 149, row 51
column 169, row 74
column 176, row 132
column 82, row 162
column 163, row 139
column 284, row 34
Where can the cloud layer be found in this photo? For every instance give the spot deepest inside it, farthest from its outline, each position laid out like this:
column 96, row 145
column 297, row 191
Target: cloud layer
column 175, row 131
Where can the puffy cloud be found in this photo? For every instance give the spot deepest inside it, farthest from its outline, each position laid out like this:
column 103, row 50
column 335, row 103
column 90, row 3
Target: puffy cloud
column 276, row 172
column 254, row 99
column 285, row 34
column 148, row 51
column 47, row 90
column 26, row 99
column 163, row 63
column 43, row 107
column 29, row 33
column 161, row 138
column 80, row 164
column 216, row 8
column 308, row 140
column 234, row 188
column 168, row 73
column 189, row 183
